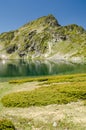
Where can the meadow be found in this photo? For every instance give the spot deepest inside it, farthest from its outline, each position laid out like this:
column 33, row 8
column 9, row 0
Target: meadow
column 36, row 103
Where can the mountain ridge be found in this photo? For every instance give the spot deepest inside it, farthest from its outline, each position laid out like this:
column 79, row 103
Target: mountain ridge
column 44, row 38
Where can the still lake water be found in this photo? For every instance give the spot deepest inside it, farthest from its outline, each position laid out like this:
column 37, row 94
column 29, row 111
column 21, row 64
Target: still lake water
column 22, row 68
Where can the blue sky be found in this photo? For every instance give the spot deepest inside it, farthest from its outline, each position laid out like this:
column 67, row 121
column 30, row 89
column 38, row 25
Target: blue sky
column 15, row 13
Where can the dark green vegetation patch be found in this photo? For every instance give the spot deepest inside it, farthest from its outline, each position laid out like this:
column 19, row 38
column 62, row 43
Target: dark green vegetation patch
column 6, row 124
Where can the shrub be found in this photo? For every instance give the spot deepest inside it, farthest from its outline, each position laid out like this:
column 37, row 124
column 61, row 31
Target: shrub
column 52, row 94
column 55, row 90
column 6, row 124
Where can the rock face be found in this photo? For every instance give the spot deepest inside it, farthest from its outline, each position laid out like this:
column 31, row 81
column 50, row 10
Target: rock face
column 44, row 38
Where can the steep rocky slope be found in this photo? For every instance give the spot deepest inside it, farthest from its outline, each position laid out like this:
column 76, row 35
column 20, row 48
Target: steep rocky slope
column 44, row 38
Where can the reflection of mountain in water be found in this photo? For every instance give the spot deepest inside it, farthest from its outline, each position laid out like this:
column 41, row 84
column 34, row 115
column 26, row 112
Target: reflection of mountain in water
column 15, row 68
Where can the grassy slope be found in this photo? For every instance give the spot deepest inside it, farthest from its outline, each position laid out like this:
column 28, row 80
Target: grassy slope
column 74, row 46
column 57, row 89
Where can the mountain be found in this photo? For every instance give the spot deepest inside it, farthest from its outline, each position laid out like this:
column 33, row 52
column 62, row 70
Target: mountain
column 44, row 38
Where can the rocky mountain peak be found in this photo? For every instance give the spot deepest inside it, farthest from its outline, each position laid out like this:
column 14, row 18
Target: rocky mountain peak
column 51, row 20
column 44, row 38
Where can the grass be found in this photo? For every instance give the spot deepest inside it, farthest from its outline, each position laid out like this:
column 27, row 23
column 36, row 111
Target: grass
column 32, row 124
column 27, row 108
column 6, row 124
column 55, row 90
column 52, row 79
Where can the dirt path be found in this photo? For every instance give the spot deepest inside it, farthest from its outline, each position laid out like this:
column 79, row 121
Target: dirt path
column 25, row 87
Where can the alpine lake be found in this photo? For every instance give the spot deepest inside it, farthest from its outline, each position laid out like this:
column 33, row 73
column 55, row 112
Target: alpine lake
column 10, row 69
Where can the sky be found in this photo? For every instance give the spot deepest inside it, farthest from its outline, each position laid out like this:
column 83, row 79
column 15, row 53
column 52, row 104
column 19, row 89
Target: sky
column 15, row 13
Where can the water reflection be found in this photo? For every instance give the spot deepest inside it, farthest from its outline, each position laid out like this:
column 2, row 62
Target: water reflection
column 15, row 68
